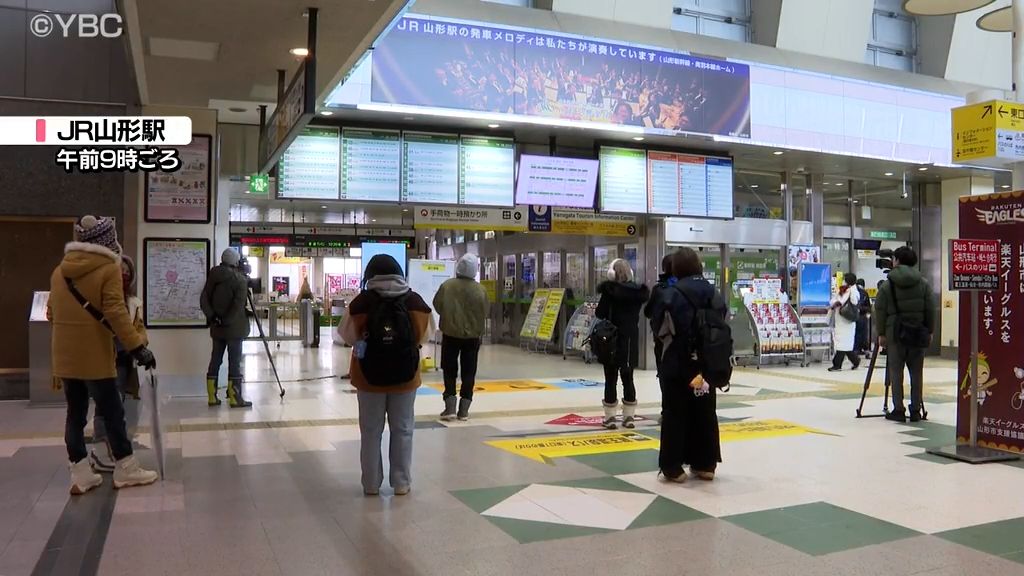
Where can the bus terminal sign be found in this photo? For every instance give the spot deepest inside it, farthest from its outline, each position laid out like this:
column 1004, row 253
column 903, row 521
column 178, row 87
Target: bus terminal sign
column 973, row 264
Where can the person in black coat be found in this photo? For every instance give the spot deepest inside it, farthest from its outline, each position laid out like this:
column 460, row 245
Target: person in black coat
column 223, row 303
column 689, row 431
column 861, row 340
column 620, row 303
column 665, row 281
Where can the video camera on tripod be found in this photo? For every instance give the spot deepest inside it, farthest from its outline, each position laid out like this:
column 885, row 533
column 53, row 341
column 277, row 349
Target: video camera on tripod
column 884, row 259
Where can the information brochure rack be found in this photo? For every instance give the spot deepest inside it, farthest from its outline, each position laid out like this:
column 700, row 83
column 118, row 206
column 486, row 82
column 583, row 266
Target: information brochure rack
column 578, row 329
column 816, row 287
column 541, row 323
column 774, row 323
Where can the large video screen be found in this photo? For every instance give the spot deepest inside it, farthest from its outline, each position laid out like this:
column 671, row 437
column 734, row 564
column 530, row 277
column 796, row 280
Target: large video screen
column 556, row 181
column 469, row 66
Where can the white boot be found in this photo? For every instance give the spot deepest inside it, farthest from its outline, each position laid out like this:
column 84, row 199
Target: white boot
column 628, row 414
column 129, row 473
column 609, row 415
column 83, row 478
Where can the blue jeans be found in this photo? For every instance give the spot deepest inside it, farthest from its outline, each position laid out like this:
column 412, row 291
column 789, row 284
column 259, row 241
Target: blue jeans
column 234, row 348
column 397, row 409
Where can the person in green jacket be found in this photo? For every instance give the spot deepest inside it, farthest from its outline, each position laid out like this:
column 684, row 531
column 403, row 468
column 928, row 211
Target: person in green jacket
column 905, row 295
column 223, row 302
column 462, row 304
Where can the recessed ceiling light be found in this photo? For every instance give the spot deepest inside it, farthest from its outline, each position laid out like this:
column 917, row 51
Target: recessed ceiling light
column 828, row 183
column 323, row 205
column 888, row 173
column 373, row 220
column 408, row 118
column 300, row 52
column 494, row 125
column 753, row 185
column 638, row 138
column 326, row 113
column 405, row 209
column 922, row 169
column 1005, row 186
column 778, row 153
column 839, row 183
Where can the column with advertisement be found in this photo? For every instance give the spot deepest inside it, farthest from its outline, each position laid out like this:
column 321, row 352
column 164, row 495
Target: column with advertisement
column 1000, row 370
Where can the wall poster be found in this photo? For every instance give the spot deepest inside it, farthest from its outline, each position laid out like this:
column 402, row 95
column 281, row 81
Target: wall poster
column 175, row 273
column 184, row 195
column 1000, row 367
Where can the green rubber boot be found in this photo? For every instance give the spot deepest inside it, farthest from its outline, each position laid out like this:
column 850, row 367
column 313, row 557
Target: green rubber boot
column 211, row 392
column 235, row 399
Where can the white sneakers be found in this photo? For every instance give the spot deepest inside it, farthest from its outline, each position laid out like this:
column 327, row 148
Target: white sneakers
column 83, row 478
column 127, row 472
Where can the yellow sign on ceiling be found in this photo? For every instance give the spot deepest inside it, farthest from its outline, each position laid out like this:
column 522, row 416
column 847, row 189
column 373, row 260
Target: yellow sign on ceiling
column 988, row 131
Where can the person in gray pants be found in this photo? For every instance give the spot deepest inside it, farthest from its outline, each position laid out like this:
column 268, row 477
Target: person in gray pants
column 905, row 298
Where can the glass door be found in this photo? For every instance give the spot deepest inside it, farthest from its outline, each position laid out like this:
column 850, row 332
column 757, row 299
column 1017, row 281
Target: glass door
column 603, row 257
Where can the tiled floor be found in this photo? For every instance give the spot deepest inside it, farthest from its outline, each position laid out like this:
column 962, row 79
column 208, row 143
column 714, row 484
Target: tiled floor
column 805, row 487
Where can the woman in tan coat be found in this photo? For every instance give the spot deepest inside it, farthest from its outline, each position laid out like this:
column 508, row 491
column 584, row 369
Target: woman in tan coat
column 385, row 326
column 87, row 310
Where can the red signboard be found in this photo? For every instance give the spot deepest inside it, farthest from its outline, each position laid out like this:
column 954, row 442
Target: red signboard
column 973, row 264
column 998, row 218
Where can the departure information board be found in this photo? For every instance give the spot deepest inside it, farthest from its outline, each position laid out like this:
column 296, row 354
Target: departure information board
column 623, row 179
column 486, row 171
column 309, row 167
column 665, row 183
column 371, row 163
column 689, row 185
column 430, row 168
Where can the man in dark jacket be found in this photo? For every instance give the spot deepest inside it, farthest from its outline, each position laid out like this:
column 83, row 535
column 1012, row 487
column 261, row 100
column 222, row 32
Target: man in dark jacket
column 223, row 303
column 906, row 297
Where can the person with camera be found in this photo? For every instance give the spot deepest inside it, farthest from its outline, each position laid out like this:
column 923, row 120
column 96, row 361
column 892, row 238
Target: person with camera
column 905, row 320
column 844, row 329
column 87, row 311
column 223, row 302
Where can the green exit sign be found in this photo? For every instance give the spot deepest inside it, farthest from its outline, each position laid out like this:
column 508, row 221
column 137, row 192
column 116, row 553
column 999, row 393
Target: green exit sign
column 883, row 235
column 259, row 184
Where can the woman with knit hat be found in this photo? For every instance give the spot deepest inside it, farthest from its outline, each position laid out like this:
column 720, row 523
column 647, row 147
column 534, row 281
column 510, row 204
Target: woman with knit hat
column 87, row 310
column 386, row 324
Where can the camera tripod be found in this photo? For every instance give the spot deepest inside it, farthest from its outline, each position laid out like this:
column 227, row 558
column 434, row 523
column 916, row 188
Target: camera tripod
column 888, row 382
column 263, row 337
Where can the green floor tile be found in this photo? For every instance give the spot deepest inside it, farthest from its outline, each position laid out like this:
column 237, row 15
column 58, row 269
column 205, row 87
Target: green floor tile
column 482, row 499
column 932, row 458
column 999, row 538
column 1017, row 557
column 820, row 528
column 526, row 531
column 663, row 511
column 617, row 463
column 600, row 483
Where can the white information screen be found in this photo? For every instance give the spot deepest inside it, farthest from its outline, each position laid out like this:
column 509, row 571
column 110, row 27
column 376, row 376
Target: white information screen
column 430, row 168
column 486, row 171
column 623, row 178
column 689, row 185
column 371, row 162
column 309, row 167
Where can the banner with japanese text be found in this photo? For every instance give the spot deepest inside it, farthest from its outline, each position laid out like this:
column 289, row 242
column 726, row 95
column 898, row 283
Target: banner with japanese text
column 500, row 69
column 1001, row 326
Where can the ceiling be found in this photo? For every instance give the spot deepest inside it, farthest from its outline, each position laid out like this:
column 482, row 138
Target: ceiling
column 225, row 53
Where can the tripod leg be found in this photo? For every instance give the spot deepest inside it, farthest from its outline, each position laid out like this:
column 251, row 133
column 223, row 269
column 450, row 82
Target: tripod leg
column 867, row 380
column 266, row 345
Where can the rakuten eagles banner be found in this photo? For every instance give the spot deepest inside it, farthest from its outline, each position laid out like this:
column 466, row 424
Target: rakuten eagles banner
column 467, row 66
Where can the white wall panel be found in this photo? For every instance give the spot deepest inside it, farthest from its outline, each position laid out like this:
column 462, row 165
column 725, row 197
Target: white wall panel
column 831, row 28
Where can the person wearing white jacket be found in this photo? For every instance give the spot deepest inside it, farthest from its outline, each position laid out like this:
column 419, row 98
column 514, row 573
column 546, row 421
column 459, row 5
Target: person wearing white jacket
column 844, row 332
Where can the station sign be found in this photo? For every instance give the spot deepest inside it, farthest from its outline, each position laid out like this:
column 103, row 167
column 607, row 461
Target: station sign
column 990, row 133
column 973, row 264
column 542, row 219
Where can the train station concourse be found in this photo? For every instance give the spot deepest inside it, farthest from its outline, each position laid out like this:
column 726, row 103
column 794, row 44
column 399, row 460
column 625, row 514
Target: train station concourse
column 508, row 287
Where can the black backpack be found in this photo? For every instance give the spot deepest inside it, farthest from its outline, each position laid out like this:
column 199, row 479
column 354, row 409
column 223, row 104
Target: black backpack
column 603, row 341
column 392, row 355
column 711, row 340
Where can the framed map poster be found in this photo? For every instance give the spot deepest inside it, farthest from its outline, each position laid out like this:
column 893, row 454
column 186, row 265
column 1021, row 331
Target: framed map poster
column 175, row 273
column 182, row 196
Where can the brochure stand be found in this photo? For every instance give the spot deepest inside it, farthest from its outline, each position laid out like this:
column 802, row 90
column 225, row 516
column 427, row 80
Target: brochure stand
column 773, row 322
column 816, row 330
column 578, row 329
